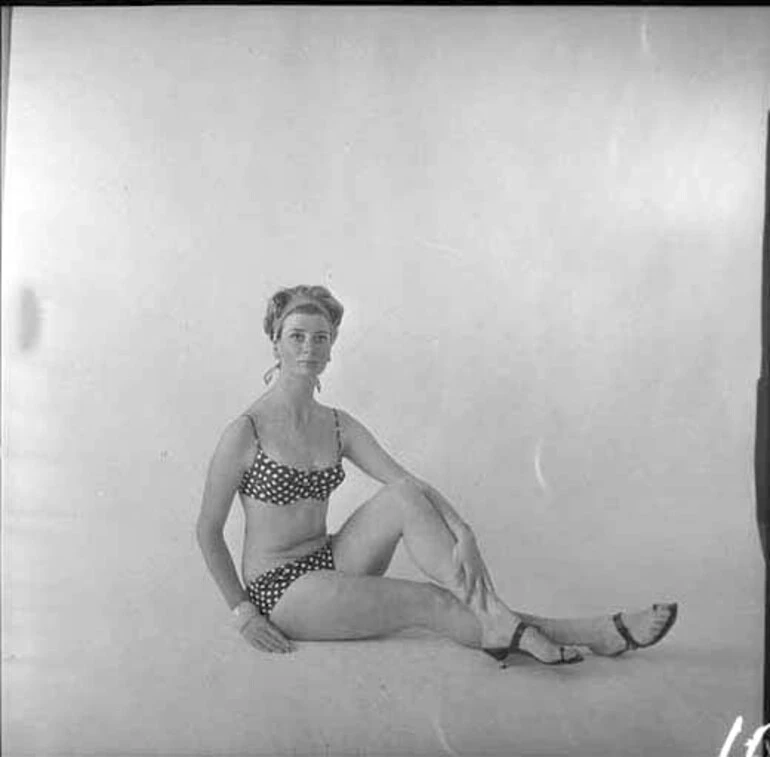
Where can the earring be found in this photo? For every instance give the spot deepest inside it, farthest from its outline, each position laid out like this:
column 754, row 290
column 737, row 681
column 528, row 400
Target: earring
column 270, row 372
column 318, row 383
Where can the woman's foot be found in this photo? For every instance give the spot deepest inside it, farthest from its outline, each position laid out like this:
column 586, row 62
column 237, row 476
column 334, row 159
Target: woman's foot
column 505, row 634
column 527, row 640
column 625, row 631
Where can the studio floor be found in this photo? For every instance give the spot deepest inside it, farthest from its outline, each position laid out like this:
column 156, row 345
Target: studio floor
column 408, row 695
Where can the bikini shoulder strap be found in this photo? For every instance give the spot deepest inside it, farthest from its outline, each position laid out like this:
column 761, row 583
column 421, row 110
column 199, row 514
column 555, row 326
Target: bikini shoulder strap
column 254, row 428
column 339, row 432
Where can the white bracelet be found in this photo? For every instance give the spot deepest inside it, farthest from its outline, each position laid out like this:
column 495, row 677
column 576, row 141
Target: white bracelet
column 242, row 613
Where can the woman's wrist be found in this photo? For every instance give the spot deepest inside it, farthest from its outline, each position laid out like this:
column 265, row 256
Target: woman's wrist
column 242, row 613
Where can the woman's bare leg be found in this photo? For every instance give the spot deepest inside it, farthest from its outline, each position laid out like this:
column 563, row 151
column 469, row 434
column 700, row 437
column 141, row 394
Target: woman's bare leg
column 366, row 542
column 327, row 605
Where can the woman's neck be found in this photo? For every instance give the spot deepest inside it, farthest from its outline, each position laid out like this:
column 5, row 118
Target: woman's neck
column 295, row 397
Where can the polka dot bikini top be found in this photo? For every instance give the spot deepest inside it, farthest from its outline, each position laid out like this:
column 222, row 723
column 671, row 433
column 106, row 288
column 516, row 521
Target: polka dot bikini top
column 270, row 481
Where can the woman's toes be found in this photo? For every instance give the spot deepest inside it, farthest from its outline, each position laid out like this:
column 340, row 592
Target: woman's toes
column 542, row 648
column 661, row 618
column 571, row 654
column 625, row 631
column 665, row 614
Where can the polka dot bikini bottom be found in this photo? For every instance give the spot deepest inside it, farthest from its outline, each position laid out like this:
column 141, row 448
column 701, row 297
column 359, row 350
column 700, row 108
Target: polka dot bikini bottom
column 267, row 588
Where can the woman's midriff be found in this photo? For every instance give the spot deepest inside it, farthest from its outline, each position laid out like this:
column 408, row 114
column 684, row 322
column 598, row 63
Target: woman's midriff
column 277, row 534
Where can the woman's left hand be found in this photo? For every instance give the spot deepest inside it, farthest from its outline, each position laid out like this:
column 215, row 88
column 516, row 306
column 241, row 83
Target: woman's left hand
column 471, row 571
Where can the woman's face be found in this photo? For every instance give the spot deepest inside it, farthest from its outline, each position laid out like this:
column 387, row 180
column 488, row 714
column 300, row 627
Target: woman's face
column 304, row 346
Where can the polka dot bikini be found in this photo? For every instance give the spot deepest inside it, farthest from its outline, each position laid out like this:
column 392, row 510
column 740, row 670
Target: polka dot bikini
column 270, row 481
column 266, row 589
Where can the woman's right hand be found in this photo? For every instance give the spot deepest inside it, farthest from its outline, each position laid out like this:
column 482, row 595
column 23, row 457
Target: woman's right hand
column 263, row 635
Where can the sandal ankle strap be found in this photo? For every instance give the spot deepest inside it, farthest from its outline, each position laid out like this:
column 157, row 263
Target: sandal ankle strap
column 518, row 633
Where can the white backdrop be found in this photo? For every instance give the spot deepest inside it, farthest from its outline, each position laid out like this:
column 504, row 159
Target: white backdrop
column 545, row 225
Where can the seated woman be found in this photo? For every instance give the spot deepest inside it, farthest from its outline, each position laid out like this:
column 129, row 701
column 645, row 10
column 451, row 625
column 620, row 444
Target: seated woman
column 284, row 458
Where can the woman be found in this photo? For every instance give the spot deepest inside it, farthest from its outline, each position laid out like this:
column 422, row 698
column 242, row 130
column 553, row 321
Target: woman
column 284, row 459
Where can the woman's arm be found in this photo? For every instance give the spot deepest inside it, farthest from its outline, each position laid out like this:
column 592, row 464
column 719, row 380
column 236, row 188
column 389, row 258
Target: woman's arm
column 360, row 446
column 224, row 473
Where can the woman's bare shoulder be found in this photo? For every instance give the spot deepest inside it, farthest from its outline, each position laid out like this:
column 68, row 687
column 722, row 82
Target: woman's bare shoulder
column 345, row 418
column 350, row 425
column 260, row 405
column 237, row 437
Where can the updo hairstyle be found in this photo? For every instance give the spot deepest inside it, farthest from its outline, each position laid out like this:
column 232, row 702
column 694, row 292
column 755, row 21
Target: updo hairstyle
column 311, row 300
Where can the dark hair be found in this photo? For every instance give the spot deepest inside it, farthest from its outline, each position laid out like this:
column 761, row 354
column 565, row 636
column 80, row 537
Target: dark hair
column 316, row 300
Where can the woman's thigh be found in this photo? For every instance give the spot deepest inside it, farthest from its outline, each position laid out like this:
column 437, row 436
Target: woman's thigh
column 367, row 540
column 326, row 605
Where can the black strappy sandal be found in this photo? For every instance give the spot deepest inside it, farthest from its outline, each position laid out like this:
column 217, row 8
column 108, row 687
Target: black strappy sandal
column 501, row 653
column 631, row 642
